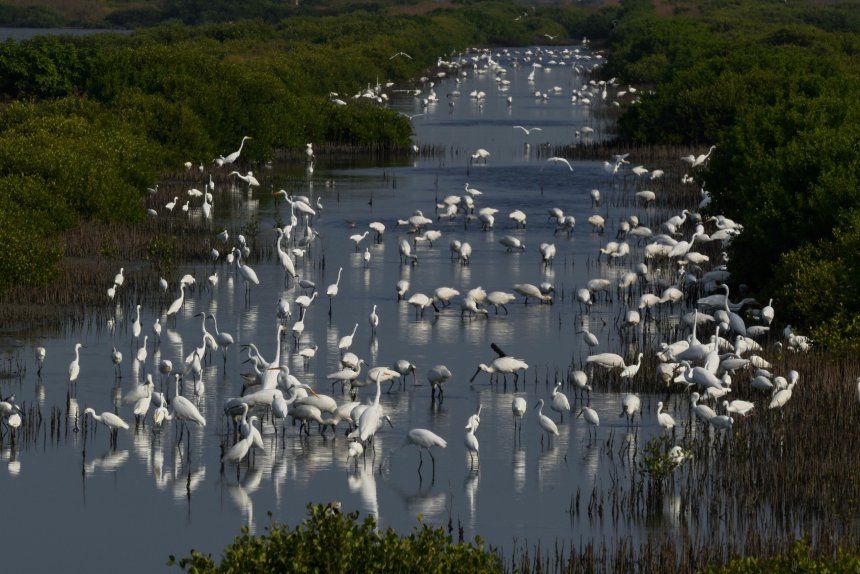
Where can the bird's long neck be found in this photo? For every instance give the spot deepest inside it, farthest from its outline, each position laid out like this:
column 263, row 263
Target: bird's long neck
column 277, row 361
column 378, row 390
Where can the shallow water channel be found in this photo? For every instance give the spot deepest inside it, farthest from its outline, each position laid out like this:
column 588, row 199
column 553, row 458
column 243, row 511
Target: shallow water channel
column 98, row 505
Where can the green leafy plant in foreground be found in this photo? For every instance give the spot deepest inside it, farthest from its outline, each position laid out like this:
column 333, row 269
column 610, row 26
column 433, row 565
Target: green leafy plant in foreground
column 329, row 541
column 797, row 560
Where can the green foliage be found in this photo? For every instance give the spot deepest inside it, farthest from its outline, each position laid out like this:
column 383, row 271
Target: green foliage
column 30, row 255
column 159, row 253
column 776, row 88
column 656, row 462
column 798, row 560
column 328, row 541
column 92, row 164
column 829, row 269
column 28, row 17
column 789, row 171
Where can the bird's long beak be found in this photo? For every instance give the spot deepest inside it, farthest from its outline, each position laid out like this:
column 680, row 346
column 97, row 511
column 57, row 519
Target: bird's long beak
column 313, row 392
column 475, row 375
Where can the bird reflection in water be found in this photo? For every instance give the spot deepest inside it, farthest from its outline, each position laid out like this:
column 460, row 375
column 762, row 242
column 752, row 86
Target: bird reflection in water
column 470, row 486
column 240, row 493
column 108, row 462
column 363, row 482
column 519, row 468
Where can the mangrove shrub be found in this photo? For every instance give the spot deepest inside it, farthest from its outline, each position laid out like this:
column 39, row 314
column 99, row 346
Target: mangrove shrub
column 329, row 541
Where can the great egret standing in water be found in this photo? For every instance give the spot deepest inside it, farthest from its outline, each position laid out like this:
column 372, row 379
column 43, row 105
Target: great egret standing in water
column 230, row 158
column 110, row 420
column 425, row 439
column 546, row 423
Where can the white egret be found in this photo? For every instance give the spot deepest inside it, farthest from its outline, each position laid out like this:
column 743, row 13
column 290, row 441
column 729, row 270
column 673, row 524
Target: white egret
column 518, row 408
column 308, row 353
column 139, row 391
column 239, row 450
column 373, row 319
column 555, row 160
column 141, row 405
column 743, row 408
column 75, row 366
column 40, row 359
column 767, row 313
column 156, row 330
column 230, row 158
column 346, row 341
column 664, row 419
column 721, row 422
column 607, row 361
column 303, row 301
column 559, row 404
column 332, row 290
column 630, row 405
column 110, row 420
column 704, row 412
column 588, row 337
column 248, row 274
column 224, row 340
column 141, row 352
column 345, row 375
column 528, row 131
column 471, row 442
column 425, row 439
column 116, row 359
column 630, row 370
column 370, row 419
column 358, row 238
column 183, row 409
column 177, row 303
column 783, row 395
column 135, row 326
column 592, row 418
column 545, row 422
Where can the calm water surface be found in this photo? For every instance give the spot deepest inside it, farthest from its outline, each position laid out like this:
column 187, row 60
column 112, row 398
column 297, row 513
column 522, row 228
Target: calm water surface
column 100, row 505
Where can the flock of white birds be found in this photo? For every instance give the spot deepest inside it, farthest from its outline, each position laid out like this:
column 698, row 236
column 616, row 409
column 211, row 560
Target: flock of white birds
column 716, row 368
